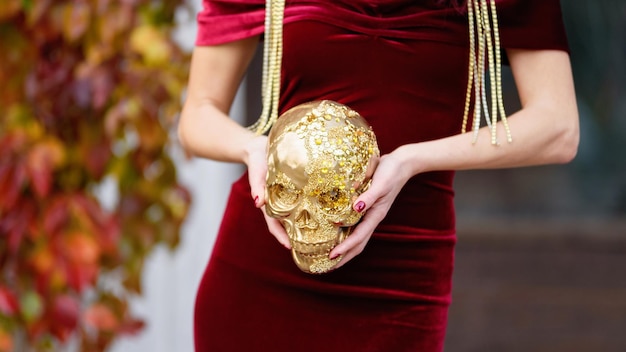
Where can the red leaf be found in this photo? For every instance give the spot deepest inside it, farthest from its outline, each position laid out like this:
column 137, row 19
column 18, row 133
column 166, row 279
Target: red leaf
column 16, row 223
column 102, row 86
column 13, row 141
column 90, row 208
column 41, row 161
column 39, row 168
column 110, row 236
column 61, row 333
column 132, row 326
column 8, row 302
column 101, row 317
column 80, row 277
column 55, row 216
column 6, row 341
column 12, row 184
column 65, row 311
column 5, row 182
column 97, row 157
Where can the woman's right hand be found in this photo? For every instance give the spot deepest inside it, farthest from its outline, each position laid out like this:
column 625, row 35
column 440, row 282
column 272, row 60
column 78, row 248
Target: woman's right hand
column 256, row 160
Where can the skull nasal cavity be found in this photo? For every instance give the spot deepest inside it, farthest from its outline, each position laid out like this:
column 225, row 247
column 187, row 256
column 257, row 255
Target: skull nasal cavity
column 304, row 219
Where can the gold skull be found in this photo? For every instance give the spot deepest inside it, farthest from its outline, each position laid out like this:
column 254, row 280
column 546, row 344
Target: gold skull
column 321, row 157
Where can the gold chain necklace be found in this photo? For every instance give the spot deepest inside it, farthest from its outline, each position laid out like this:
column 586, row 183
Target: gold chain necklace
column 483, row 28
column 272, row 57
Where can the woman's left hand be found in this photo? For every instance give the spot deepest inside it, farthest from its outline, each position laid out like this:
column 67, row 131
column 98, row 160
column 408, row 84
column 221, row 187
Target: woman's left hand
column 387, row 181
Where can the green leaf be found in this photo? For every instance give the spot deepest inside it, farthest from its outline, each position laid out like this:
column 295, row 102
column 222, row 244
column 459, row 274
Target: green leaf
column 27, row 5
column 31, row 306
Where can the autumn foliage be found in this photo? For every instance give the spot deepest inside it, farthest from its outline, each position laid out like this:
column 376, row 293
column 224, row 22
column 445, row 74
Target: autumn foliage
column 88, row 91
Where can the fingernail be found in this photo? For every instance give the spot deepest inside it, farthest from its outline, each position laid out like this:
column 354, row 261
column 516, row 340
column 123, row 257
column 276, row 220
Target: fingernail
column 256, row 200
column 335, row 256
column 360, row 206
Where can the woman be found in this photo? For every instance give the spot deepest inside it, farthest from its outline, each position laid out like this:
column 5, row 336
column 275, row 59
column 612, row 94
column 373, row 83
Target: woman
column 402, row 64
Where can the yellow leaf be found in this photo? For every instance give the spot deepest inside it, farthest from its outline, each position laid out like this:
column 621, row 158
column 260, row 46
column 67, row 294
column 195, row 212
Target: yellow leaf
column 42, row 260
column 75, row 20
column 96, row 53
column 116, row 20
column 151, row 45
column 9, row 8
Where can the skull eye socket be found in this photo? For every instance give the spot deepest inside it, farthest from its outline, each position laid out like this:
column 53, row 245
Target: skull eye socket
column 283, row 197
column 333, row 201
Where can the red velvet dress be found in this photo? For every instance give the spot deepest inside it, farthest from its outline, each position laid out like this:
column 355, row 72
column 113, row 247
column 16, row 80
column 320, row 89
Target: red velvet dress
column 403, row 65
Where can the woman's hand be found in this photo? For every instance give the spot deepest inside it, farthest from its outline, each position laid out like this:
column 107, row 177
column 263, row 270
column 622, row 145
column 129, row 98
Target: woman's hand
column 387, row 181
column 256, row 160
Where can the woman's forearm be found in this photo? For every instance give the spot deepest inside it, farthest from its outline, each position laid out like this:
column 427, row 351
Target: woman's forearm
column 536, row 141
column 205, row 131
column 545, row 130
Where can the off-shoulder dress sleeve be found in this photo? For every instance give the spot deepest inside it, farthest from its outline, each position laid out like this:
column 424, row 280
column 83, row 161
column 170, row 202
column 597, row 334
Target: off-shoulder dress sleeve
column 531, row 24
column 222, row 21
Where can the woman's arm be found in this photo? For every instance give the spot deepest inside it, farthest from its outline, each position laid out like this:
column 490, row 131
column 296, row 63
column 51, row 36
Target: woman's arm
column 205, row 129
column 544, row 131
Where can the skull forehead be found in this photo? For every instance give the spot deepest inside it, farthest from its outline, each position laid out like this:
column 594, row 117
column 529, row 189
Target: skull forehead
column 290, row 154
column 337, row 140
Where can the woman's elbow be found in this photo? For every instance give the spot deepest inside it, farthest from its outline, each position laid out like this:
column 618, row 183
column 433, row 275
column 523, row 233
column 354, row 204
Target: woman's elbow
column 568, row 140
column 182, row 135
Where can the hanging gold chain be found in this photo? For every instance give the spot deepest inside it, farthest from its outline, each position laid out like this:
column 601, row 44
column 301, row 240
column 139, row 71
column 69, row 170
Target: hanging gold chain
column 483, row 28
column 272, row 57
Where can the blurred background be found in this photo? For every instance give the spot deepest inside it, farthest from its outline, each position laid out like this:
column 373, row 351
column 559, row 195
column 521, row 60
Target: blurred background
column 541, row 250
column 106, row 226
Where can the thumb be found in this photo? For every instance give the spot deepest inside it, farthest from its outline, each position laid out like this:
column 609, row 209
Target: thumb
column 257, row 188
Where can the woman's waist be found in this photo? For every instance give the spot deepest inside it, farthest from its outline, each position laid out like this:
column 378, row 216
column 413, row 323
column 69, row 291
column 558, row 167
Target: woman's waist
column 405, row 260
column 423, row 207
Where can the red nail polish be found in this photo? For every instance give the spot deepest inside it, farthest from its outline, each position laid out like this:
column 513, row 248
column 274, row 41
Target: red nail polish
column 256, row 200
column 360, row 206
column 335, row 256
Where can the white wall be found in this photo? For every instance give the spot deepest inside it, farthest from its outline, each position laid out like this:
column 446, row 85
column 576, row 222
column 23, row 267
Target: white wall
column 171, row 279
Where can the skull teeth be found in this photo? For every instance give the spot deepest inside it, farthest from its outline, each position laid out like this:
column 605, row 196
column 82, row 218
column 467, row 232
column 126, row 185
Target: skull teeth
column 313, row 249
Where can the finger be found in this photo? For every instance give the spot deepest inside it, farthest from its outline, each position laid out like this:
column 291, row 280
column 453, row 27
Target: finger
column 257, row 187
column 279, row 233
column 359, row 237
column 351, row 253
column 277, row 230
column 346, row 258
column 257, row 169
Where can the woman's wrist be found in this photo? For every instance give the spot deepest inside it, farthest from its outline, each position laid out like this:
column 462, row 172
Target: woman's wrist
column 412, row 159
column 254, row 146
